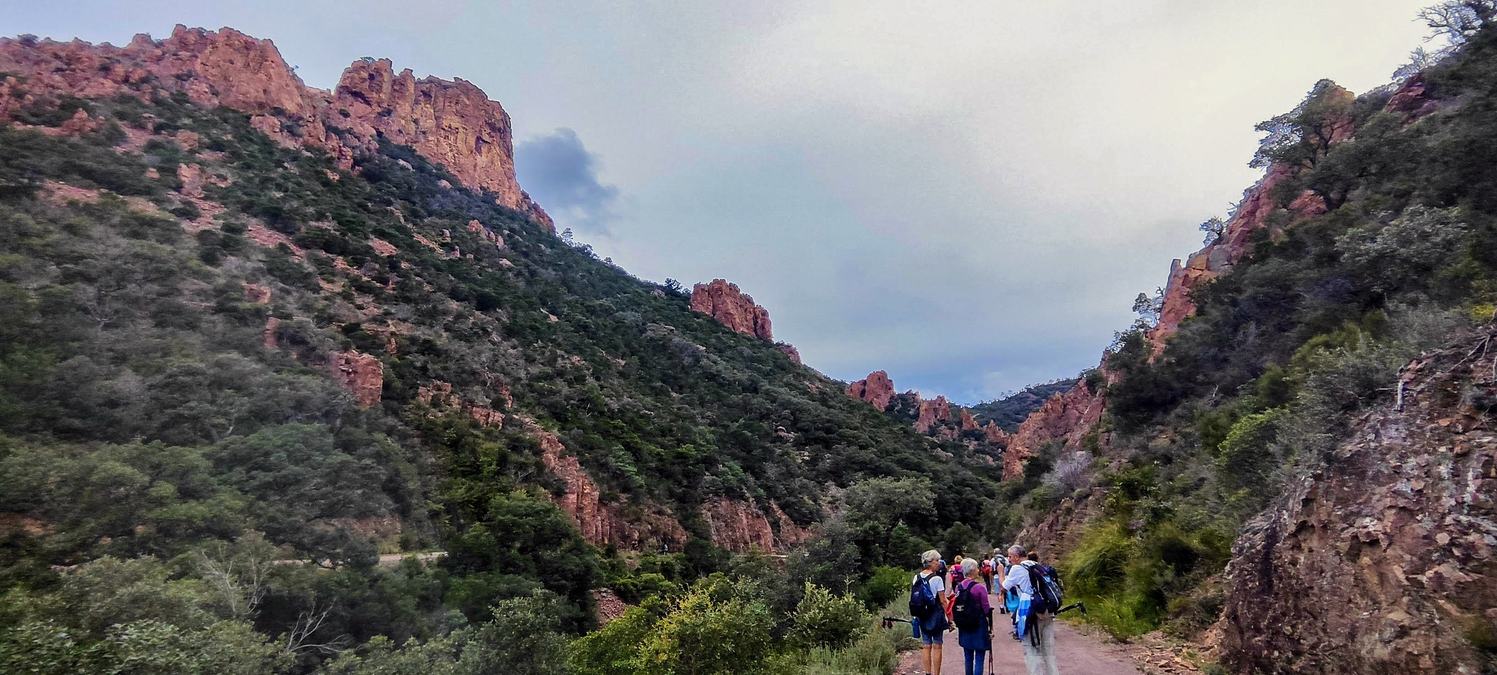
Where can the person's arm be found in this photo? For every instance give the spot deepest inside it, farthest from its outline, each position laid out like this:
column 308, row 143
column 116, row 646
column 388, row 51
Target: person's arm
column 1011, row 580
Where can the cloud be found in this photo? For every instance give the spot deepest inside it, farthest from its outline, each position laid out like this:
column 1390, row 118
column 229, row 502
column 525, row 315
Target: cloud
column 559, row 172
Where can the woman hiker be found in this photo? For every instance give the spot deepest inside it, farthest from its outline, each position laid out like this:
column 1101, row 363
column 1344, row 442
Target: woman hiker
column 974, row 616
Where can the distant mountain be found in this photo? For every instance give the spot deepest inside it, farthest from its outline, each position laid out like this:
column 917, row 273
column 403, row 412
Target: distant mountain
column 1009, row 411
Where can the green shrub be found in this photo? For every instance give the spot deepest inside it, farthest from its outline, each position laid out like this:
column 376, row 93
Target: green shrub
column 1097, row 565
column 709, row 631
column 886, row 585
column 826, row 620
column 614, row 649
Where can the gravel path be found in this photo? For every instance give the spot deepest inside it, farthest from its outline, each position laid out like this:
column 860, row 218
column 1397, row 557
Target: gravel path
column 1076, row 654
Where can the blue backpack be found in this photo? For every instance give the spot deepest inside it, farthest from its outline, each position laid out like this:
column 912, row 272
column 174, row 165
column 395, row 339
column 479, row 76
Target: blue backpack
column 1049, row 594
column 922, row 600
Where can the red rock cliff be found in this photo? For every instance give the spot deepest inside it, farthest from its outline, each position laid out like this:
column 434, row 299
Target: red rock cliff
column 876, row 389
column 732, row 308
column 450, row 123
column 1066, row 418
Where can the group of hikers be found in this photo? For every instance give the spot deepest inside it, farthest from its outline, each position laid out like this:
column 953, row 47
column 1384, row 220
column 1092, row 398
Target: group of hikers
column 962, row 594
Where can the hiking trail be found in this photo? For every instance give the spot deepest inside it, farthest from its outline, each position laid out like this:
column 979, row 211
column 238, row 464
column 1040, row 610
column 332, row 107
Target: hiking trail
column 1076, row 652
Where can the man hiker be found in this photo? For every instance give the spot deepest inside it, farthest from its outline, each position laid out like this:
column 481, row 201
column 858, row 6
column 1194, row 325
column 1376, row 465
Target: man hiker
column 927, row 609
column 973, row 616
column 1036, row 629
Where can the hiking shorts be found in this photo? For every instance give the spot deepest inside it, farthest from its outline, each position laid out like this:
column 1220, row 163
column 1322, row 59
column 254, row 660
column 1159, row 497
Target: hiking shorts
column 927, row 639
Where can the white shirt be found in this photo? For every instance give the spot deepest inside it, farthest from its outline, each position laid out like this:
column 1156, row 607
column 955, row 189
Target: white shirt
column 1018, row 577
column 936, row 583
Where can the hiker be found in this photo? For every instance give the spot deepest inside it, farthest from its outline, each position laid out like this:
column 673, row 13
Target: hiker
column 973, row 615
column 1035, row 628
column 927, row 609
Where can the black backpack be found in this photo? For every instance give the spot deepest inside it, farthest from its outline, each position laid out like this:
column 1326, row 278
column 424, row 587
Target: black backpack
column 1049, row 594
column 967, row 612
column 922, row 601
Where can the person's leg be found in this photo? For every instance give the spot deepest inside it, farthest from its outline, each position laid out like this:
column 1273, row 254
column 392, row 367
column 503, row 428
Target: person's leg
column 967, row 661
column 979, row 655
column 936, row 656
column 925, row 656
column 1034, row 658
column 1047, row 640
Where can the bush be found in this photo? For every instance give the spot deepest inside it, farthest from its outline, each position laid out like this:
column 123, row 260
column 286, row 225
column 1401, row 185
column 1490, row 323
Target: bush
column 614, row 649
column 709, row 631
column 826, row 620
column 886, row 585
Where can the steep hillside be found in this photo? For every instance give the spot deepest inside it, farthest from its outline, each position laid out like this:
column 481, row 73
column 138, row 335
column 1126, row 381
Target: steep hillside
column 245, row 319
column 1010, row 411
column 1253, row 405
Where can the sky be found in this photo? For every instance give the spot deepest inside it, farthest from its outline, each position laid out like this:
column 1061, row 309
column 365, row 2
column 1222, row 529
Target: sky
column 966, row 195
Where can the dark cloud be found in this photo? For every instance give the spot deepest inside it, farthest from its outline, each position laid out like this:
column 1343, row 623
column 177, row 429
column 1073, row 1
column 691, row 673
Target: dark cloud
column 560, row 174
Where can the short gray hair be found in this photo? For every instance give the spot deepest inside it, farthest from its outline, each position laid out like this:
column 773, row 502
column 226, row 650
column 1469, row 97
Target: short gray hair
column 1016, row 550
column 929, row 557
column 969, row 566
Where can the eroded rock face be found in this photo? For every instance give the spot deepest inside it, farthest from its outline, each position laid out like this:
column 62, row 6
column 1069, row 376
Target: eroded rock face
column 361, row 374
column 1382, row 558
column 788, row 350
column 741, row 526
column 439, row 395
column 452, row 123
column 932, row 413
column 624, row 525
column 732, row 308
column 1066, row 418
column 1250, row 218
column 876, row 389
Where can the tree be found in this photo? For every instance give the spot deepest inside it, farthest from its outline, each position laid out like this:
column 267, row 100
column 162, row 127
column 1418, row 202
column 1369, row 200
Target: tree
column 1213, row 227
column 1147, row 308
column 1302, row 136
column 1458, row 20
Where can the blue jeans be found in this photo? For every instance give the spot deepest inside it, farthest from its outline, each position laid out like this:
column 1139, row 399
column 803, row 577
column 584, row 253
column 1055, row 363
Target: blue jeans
column 972, row 659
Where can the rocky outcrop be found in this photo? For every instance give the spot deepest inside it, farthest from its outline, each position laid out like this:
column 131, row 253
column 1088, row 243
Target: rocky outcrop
column 876, row 389
column 1249, row 218
column 740, row 526
column 1066, row 419
column 451, row 123
column 1412, row 100
column 1384, row 557
column 362, row 375
column 438, row 395
column 624, row 525
column 994, row 434
column 789, row 350
column 932, row 413
column 732, row 308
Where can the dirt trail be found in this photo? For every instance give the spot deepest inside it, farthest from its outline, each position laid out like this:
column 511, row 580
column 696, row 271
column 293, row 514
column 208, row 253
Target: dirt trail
column 1075, row 653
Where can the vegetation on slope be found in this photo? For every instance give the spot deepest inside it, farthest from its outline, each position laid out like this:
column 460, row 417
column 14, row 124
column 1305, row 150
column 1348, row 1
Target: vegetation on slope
column 1010, row 410
column 1294, row 342
column 160, row 464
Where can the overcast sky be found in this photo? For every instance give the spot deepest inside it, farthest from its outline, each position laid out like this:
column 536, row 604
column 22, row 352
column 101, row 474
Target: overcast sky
column 967, row 195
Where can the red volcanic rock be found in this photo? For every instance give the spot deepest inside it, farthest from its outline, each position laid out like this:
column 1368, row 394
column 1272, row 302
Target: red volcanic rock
column 994, row 434
column 1411, row 99
column 602, row 524
column 257, row 294
column 968, row 423
column 877, row 389
column 932, row 413
column 361, row 374
column 439, row 394
column 732, row 308
column 1066, row 418
column 789, row 350
column 452, row 123
column 740, row 526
